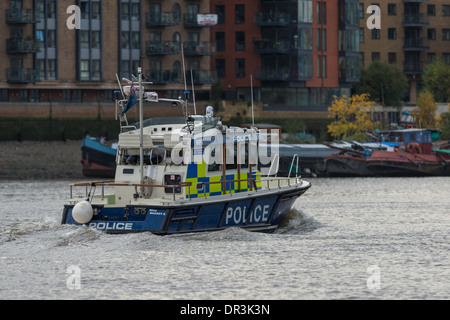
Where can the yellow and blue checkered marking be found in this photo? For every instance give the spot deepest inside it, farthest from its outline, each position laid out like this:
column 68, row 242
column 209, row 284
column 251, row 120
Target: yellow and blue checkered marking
column 196, row 174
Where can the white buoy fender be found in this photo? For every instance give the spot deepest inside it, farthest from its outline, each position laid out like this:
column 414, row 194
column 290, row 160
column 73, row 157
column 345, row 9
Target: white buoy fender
column 82, row 212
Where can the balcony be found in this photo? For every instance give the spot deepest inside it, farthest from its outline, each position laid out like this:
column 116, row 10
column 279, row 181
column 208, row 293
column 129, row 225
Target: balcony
column 192, row 48
column 20, row 16
column 163, row 19
column 416, row 20
column 172, row 76
column 413, row 67
column 162, row 48
column 269, row 46
column 283, row 74
column 272, row 20
column 163, row 76
column 19, row 75
column 201, row 77
column 22, row 46
column 416, row 44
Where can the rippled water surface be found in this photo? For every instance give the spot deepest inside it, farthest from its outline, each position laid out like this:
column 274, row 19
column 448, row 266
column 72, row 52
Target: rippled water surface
column 364, row 238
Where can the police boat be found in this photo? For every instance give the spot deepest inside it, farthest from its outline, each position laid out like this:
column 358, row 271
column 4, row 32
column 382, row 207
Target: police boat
column 185, row 177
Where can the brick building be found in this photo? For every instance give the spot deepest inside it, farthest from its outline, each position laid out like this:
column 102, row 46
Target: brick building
column 299, row 53
column 413, row 33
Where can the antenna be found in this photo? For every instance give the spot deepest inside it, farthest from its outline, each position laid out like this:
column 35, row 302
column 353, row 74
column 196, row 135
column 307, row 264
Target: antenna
column 120, row 86
column 184, row 67
column 251, row 89
column 193, row 93
column 141, row 125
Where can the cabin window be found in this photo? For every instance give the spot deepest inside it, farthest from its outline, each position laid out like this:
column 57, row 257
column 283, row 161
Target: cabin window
column 128, row 171
column 172, row 180
column 213, row 166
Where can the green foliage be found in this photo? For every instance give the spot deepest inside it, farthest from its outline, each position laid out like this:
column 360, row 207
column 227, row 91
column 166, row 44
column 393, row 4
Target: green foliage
column 294, row 125
column 385, row 83
column 436, row 79
column 56, row 129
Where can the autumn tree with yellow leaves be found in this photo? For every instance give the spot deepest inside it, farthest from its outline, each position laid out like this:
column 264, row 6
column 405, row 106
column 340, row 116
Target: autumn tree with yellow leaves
column 352, row 117
column 425, row 113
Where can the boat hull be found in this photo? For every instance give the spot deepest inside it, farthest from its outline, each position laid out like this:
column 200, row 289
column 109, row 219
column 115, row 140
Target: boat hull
column 97, row 160
column 407, row 164
column 342, row 166
column 257, row 212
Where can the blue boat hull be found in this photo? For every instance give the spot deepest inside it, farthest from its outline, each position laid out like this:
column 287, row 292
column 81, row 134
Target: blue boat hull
column 255, row 213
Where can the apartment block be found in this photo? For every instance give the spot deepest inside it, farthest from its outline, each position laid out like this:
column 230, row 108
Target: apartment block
column 45, row 60
column 291, row 49
column 413, row 33
column 297, row 54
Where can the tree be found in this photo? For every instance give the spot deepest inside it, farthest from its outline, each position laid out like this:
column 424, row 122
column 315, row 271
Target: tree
column 436, row 78
column 352, row 117
column 425, row 113
column 443, row 121
column 385, row 83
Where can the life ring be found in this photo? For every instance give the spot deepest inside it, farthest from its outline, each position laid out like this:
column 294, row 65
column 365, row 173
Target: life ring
column 409, row 126
column 414, row 148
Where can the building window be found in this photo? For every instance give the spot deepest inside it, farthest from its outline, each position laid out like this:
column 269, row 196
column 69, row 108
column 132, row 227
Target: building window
column 321, row 12
column 46, row 30
column 431, row 10
column 446, row 58
column 84, row 69
column 322, row 69
column 84, row 8
column 431, row 57
column 392, row 33
column 240, row 68
column 240, row 14
column 431, row 34
column 305, row 11
column 129, row 40
column 95, row 10
column 446, row 10
column 392, row 9
column 375, row 56
column 51, row 39
column 220, row 41
column 95, row 69
column 84, row 39
column 136, row 12
column 89, row 41
column 392, row 57
column 51, row 9
column 361, row 10
column 240, row 41
column 361, row 59
column 324, row 39
column 446, row 34
column 220, row 68
column 375, row 34
column 220, row 11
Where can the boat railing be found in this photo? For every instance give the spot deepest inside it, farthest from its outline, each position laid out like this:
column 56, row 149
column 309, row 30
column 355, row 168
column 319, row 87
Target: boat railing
column 295, row 157
column 268, row 182
column 275, row 161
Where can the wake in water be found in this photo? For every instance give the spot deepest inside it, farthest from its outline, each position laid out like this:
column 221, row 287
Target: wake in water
column 296, row 222
column 12, row 232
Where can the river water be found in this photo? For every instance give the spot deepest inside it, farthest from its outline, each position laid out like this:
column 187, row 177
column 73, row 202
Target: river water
column 362, row 238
